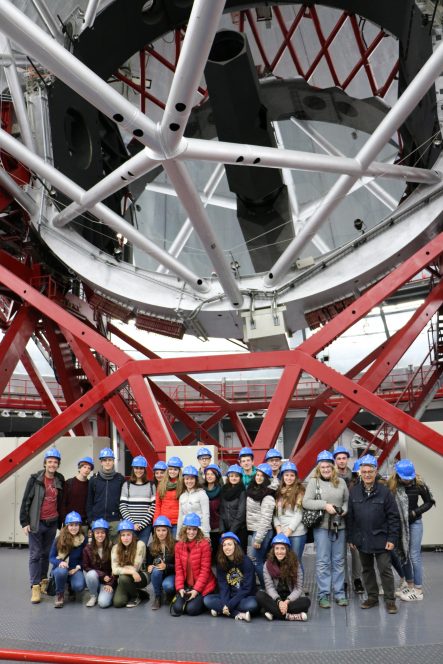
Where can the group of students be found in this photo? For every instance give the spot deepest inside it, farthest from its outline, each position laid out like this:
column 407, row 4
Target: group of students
column 173, row 531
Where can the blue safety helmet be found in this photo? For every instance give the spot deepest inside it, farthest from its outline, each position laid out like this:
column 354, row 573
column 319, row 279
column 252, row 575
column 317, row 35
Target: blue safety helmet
column 273, row 454
column 106, row 453
column 73, row 517
column 235, row 468
column 162, row 521
column 160, row 465
column 281, row 539
column 245, row 451
column 125, row 524
column 203, row 451
column 288, row 466
column 192, row 519
column 100, row 523
column 86, row 459
column 341, row 450
column 405, row 469
column 139, row 462
column 214, row 468
column 265, row 468
column 368, row 460
column 53, row 453
column 325, row 456
column 230, row 535
column 175, row 462
column 356, row 466
column 190, row 470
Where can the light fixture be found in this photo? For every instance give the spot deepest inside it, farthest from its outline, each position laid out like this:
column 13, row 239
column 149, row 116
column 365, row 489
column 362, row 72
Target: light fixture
column 21, row 413
column 6, row 413
column 38, row 415
column 359, row 225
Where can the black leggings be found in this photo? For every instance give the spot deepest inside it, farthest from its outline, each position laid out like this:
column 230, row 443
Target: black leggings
column 268, row 604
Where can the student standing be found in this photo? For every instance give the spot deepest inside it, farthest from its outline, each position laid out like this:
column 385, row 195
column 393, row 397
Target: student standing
column 204, row 457
column 169, row 491
column 274, row 458
column 246, row 461
column 104, row 492
column 260, row 504
column 193, row 499
column 289, row 509
column 213, row 486
column 160, row 468
column 137, row 499
column 75, row 494
column 233, row 505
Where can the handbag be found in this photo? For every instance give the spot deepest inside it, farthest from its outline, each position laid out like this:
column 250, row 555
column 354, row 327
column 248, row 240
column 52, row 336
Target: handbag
column 313, row 518
column 50, row 589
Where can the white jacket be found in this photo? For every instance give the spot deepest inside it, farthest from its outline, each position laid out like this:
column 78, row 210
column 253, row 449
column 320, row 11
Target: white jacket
column 196, row 501
column 289, row 518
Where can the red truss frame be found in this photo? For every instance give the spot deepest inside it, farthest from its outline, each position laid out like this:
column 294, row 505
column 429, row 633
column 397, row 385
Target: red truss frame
column 140, row 409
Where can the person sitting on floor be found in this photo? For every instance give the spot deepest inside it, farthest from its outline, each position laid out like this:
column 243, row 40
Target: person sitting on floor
column 127, row 557
column 66, row 558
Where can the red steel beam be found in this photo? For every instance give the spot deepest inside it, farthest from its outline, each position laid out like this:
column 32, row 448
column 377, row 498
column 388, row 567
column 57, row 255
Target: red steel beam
column 304, row 431
column 14, row 342
column 327, row 43
column 291, row 49
column 258, row 40
column 324, row 45
column 364, row 55
column 48, row 401
column 204, row 427
column 287, row 38
column 240, row 430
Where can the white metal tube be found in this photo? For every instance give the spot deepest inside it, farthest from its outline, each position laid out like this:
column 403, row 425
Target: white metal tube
column 216, row 200
column 390, row 123
column 17, row 94
column 10, row 185
column 76, row 75
column 47, row 18
column 200, row 32
column 131, row 170
column 257, row 155
column 90, row 14
column 73, row 191
column 190, row 200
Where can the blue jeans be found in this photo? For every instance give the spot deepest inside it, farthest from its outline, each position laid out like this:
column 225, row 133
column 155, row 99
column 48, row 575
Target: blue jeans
column 298, row 546
column 330, row 562
column 413, row 568
column 144, row 534
column 96, row 588
column 39, row 548
column 61, row 576
column 258, row 556
column 214, row 603
column 162, row 583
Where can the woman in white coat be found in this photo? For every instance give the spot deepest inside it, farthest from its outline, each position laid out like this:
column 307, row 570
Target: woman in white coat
column 193, row 500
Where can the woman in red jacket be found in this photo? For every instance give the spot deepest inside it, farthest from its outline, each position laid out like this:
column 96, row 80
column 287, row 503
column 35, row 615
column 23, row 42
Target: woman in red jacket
column 169, row 491
column 193, row 575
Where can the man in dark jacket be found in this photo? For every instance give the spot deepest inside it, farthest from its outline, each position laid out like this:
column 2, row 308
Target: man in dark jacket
column 40, row 516
column 104, row 492
column 374, row 528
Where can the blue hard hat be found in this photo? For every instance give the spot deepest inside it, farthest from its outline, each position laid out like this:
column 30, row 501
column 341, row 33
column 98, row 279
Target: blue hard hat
column 356, row 466
column 245, row 451
column 106, row 453
column 214, row 468
column 125, row 524
column 162, row 521
column 281, row 539
column 405, row 469
column 53, row 453
column 175, row 462
column 265, row 468
column 325, row 456
column 86, row 459
column 230, row 535
column 273, row 454
column 235, row 468
column 192, row 519
column 190, row 470
column 73, row 517
column 203, row 451
column 368, row 460
column 340, row 450
column 139, row 462
column 288, row 466
column 100, row 523
column 160, row 465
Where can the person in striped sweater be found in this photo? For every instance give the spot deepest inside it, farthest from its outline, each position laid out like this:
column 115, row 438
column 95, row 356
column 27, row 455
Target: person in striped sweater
column 137, row 500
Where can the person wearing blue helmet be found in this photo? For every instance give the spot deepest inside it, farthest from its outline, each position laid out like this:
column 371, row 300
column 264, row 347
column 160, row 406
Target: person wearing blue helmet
column 40, row 515
column 213, row 485
column 204, row 457
column 341, row 457
column 160, row 561
column 289, row 510
column 413, row 499
column 137, row 499
column 328, row 493
column 75, row 494
column 97, row 566
column 233, row 505
column 193, row 499
column 246, row 461
column 260, row 505
column 127, row 557
column 66, row 558
column 159, row 468
column 275, row 459
column 104, row 492
column 236, row 582
column 169, row 491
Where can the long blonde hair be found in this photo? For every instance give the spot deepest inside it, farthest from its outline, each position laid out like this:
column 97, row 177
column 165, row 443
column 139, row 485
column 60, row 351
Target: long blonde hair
column 290, row 496
column 163, row 485
column 334, row 477
column 394, row 481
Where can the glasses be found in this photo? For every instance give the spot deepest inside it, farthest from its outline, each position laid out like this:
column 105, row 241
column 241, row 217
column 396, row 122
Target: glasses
column 368, row 472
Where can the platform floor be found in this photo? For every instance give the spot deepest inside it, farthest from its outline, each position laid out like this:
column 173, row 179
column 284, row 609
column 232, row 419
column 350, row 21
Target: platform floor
column 340, row 635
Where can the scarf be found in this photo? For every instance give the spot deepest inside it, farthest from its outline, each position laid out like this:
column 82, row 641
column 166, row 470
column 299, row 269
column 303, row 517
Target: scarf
column 258, row 491
column 402, row 548
column 108, row 475
column 171, row 485
column 231, row 491
column 273, row 569
column 213, row 493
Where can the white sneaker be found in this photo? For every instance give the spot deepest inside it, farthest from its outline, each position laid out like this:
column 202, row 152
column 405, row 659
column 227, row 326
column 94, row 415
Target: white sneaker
column 133, row 603
column 402, row 586
column 413, row 595
column 269, row 616
column 214, row 613
column 297, row 616
column 246, row 616
column 92, row 601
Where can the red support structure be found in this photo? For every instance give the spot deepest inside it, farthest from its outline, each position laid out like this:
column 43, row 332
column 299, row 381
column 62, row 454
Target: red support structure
column 14, row 343
column 43, row 390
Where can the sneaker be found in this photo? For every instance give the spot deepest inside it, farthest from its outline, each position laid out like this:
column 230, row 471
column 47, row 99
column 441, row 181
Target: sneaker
column 59, row 601
column 246, row 616
column 133, row 603
column 92, row 601
column 36, row 594
column 324, row 603
column 156, row 604
column 214, row 613
column 413, row 595
column 269, row 616
column 403, row 587
column 369, row 603
column 391, row 606
column 381, row 591
column 296, row 616
column 358, row 587
column 342, row 601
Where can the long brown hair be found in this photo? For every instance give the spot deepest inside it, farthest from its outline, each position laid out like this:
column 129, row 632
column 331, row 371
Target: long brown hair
column 334, row 477
column 288, row 566
column 290, row 496
column 163, row 485
column 183, row 537
column 133, row 479
column 156, row 547
column 394, row 481
column 222, row 559
column 126, row 554
column 65, row 541
column 106, row 552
